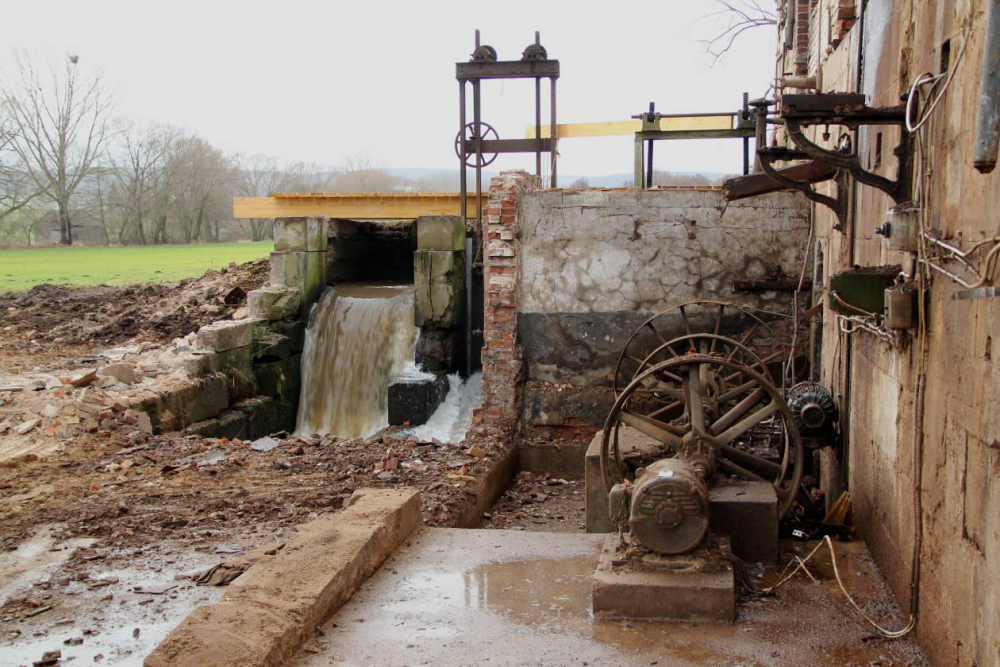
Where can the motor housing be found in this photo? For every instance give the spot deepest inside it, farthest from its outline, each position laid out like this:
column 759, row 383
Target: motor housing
column 669, row 508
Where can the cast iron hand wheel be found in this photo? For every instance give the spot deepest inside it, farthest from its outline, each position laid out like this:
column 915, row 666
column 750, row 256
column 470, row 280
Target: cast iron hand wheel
column 470, row 144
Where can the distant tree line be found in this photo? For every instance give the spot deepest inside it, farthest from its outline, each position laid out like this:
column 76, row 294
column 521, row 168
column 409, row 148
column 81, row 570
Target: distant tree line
column 71, row 170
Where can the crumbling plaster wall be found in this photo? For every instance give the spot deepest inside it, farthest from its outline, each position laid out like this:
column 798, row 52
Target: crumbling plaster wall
column 595, row 264
column 875, row 383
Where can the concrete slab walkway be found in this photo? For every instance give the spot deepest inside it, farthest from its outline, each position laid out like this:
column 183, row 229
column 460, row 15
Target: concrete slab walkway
column 498, row 597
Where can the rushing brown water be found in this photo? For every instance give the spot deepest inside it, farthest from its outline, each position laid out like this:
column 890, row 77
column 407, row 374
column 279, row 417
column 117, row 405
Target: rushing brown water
column 359, row 337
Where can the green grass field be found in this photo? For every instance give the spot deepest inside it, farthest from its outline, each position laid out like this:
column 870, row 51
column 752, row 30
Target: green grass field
column 23, row 269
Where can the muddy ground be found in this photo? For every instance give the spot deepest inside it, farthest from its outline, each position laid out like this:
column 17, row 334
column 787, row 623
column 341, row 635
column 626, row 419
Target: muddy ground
column 540, row 504
column 56, row 322
column 101, row 513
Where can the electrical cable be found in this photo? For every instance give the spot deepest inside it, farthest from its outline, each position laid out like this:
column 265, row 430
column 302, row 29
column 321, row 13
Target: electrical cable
column 926, row 78
column 783, row 578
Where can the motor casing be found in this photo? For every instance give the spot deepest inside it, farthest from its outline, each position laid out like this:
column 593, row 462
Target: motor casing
column 669, row 509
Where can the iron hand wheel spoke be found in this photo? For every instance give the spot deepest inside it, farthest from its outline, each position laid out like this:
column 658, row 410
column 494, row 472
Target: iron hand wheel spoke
column 488, row 134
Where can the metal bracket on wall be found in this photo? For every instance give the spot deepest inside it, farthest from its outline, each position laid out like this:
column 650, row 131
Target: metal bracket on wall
column 847, row 109
column 838, row 204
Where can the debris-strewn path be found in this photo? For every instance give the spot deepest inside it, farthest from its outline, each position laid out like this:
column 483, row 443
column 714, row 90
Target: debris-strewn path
column 541, row 504
column 124, row 510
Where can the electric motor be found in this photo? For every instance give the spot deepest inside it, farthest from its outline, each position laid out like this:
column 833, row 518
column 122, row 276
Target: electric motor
column 812, row 407
column 669, row 509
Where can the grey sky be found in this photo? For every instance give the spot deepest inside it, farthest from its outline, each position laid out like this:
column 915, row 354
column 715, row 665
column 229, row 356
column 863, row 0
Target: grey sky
column 318, row 81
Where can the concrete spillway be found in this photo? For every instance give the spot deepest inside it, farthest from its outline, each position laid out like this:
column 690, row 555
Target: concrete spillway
column 359, row 337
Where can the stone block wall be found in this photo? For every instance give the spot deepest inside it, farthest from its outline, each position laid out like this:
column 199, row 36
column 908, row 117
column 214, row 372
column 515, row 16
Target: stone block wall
column 439, row 277
column 588, row 267
column 298, row 269
column 241, row 377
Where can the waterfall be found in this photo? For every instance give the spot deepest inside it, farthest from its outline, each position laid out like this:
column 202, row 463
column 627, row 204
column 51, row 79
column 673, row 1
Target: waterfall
column 452, row 419
column 359, row 337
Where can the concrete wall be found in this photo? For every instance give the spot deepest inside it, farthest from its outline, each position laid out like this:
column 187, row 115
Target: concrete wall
column 875, row 382
column 595, row 264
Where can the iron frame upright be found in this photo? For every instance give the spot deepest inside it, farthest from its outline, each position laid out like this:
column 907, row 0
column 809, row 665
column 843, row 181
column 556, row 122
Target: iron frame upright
column 475, row 72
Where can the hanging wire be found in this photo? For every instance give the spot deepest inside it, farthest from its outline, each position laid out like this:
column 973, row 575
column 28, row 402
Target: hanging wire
column 928, row 78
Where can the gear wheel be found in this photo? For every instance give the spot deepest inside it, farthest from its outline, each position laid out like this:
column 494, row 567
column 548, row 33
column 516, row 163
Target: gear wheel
column 535, row 52
column 484, row 54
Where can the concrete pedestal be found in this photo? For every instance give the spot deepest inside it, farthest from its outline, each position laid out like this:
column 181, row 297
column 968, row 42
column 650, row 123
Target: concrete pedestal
column 630, row 441
column 748, row 513
column 691, row 587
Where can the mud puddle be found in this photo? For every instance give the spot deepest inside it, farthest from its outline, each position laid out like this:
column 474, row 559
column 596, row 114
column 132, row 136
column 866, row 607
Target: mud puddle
column 111, row 610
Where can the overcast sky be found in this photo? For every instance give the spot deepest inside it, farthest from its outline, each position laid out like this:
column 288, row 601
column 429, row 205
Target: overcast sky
column 319, row 81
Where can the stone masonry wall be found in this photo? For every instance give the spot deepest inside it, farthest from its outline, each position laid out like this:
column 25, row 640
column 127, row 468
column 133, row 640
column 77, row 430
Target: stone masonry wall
column 595, row 264
column 502, row 354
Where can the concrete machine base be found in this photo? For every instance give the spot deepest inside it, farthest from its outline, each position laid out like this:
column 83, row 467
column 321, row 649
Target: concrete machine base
column 697, row 586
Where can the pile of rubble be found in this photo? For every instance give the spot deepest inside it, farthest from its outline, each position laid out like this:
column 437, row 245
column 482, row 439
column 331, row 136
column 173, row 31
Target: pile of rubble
column 53, row 319
column 71, row 398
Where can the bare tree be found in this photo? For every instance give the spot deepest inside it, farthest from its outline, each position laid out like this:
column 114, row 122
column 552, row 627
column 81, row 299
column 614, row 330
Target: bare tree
column 259, row 176
column 361, row 173
column 138, row 168
column 16, row 189
column 199, row 174
column 739, row 16
column 581, row 183
column 59, row 122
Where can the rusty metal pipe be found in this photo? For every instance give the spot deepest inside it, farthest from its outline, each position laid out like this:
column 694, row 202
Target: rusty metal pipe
column 984, row 157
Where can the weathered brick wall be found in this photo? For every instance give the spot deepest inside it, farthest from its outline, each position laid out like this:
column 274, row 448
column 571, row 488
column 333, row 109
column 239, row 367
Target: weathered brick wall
column 503, row 358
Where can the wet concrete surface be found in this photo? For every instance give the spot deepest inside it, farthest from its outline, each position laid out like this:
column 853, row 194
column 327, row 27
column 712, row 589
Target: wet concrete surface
column 498, row 597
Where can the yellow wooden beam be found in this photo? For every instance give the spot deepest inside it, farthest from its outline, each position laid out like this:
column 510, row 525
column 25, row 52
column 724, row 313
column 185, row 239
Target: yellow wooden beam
column 619, row 127
column 354, row 206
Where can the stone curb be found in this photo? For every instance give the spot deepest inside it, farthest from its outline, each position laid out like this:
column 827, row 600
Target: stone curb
column 488, row 488
column 276, row 605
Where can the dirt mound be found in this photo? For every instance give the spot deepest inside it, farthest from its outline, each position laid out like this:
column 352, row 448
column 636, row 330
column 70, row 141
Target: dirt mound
column 50, row 318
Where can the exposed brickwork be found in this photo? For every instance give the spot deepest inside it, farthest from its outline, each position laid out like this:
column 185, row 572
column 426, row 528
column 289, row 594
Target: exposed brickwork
column 845, row 14
column 503, row 358
column 802, row 32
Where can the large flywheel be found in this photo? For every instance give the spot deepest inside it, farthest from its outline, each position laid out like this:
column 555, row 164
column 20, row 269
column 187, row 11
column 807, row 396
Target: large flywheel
column 711, row 408
column 704, row 326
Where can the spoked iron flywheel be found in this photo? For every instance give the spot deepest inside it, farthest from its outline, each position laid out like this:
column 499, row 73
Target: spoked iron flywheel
column 731, row 408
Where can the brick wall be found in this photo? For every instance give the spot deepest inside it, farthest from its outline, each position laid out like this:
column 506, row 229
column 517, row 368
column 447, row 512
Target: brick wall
column 503, row 358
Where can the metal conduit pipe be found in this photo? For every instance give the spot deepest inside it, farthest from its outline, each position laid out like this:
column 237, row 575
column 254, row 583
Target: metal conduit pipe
column 988, row 122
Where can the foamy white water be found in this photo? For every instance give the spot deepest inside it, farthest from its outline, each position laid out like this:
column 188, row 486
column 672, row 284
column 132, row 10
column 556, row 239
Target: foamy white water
column 359, row 337
column 451, row 421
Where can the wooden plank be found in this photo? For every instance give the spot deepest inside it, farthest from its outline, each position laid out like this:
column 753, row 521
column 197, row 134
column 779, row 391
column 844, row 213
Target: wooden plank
column 754, row 185
column 623, row 127
column 353, row 206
